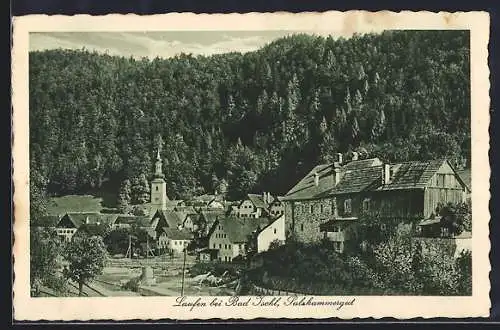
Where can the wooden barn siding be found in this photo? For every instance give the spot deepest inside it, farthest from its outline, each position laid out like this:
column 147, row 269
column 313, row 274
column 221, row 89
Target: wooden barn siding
column 441, row 189
column 397, row 203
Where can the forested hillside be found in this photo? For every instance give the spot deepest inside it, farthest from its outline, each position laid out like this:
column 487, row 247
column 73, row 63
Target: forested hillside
column 258, row 120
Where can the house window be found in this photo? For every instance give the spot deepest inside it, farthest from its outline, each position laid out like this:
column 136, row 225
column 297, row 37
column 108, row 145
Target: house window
column 441, row 180
column 311, row 209
column 275, row 231
column 366, row 205
column 347, row 206
column 214, row 245
column 220, row 246
column 321, row 208
column 337, row 246
column 302, row 227
column 156, row 188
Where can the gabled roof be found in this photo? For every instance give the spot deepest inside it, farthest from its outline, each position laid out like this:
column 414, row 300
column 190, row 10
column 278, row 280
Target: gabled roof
column 176, row 234
column 80, row 218
column 465, row 175
column 45, row 221
column 356, row 180
column 141, row 221
column 210, row 217
column 206, row 198
column 186, row 209
column 412, row 175
column 171, row 204
column 257, row 200
column 172, row 218
column 354, row 177
column 239, row 230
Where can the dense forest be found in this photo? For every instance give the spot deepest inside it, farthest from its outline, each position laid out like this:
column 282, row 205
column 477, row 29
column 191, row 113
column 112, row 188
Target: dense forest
column 256, row 121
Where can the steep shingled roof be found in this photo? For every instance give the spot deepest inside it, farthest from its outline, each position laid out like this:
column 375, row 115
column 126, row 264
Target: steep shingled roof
column 172, row 218
column 141, row 221
column 306, row 188
column 355, row 176
column 466, row 177
column 80, row 218
column 257, row 200
column 239, row 230
column 176, row 234
column 412, row 175
column 357, row 180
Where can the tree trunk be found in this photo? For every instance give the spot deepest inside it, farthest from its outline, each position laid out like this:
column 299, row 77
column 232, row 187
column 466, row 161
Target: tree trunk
column 80, row 288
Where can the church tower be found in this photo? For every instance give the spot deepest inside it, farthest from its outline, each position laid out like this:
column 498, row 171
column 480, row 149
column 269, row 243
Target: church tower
column 158, row 186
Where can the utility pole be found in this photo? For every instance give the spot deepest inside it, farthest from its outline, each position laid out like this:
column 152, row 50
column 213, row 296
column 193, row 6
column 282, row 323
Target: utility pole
column 129, row 250
column 183, row 272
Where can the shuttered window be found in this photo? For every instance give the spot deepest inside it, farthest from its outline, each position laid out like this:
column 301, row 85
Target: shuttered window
column 347, row 206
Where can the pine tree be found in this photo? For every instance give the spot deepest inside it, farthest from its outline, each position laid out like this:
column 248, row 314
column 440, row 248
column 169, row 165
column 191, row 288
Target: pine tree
column 378, row 128
column 143, row 193
column 354, row 131
column 124, row 198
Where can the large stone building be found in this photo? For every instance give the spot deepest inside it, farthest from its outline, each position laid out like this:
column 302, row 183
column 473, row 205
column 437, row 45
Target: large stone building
column 332, row 197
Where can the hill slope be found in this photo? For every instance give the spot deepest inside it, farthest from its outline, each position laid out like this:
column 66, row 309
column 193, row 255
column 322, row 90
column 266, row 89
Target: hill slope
column 258, row 120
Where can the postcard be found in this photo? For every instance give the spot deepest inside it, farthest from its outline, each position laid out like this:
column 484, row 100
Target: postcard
column 239, row 166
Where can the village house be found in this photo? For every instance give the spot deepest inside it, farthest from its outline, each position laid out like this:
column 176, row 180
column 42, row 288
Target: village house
column 174, row 240
column 277, row 207
column 173, row 205
column 234, row 236
column 206, row 221
column 125, row 221
column 190, row 222
column 207, row 255
column 72, row 222
column 333, row 197
column 254, row 206
column 465, row 175
column 231, row 236
column 273, row 232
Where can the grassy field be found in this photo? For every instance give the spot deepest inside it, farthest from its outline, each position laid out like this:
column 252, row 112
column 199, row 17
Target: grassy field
column 76, row 203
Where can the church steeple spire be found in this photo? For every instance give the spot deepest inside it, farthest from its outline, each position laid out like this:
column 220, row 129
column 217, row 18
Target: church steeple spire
column 158, row 185
column 158, row 164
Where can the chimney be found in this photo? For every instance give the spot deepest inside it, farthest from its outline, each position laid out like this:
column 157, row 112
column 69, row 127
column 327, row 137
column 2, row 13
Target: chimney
column 339, row 158
column 386, row 174
column 316, row 179
column 337, row 175
column 355, row 155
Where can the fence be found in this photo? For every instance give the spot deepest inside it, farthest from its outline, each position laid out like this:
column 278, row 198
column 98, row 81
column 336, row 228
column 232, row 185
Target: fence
column 269, row 292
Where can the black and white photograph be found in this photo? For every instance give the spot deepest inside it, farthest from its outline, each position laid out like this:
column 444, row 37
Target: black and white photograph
column 235, row 163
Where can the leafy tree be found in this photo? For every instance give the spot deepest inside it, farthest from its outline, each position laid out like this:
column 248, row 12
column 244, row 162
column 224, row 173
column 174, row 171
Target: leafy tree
column 117, row 241
column 45, row 252
column 463, row 265
column 86, row 256
column 456, row 218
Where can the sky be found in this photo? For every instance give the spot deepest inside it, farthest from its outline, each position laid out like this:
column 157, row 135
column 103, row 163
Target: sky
column 162, row 44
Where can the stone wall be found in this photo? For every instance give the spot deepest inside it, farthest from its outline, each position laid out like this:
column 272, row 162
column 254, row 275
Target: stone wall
column 304, row 217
